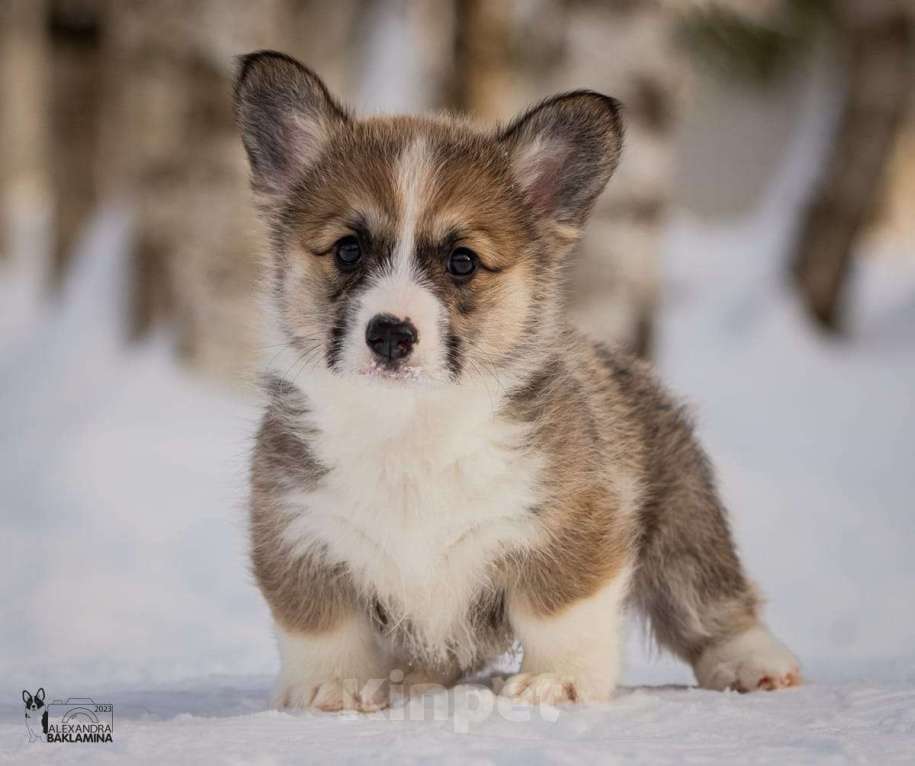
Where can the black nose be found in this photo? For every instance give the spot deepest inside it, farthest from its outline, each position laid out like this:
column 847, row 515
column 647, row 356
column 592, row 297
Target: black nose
column 389, row 337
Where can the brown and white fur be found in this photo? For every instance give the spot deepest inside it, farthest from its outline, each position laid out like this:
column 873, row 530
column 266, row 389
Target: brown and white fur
column 468, row 470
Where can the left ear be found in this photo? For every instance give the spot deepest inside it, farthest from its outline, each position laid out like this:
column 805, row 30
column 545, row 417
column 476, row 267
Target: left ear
column 39, row 695
column 563, row 151
column 286, row 116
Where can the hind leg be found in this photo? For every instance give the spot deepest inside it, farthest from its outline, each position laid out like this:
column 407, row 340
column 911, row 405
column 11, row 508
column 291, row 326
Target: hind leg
column 690, row 583
column 706, row 612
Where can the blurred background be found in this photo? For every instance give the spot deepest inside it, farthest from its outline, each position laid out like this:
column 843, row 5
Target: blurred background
column 757, row 243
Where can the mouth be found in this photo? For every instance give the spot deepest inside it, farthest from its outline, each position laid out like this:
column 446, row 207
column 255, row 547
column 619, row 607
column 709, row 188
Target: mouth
column 392, row 372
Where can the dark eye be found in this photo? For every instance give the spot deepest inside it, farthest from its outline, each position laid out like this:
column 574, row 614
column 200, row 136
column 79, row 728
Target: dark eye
column 462, row 262
column 347, row 253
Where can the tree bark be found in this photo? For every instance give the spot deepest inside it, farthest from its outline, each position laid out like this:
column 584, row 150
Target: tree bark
column 23, row 115
column 880, row 44
column 176, row 158
column 483, row 66
column 75, row 30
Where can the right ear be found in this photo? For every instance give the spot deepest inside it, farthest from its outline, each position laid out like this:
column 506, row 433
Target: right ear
column 286, row 116
column 26, row 697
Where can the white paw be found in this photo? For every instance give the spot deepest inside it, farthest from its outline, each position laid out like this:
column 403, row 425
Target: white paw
column 754, row 660
column 333, row 695
column 540, row 688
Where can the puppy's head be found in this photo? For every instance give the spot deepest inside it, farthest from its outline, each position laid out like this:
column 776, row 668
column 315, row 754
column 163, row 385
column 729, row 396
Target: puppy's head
column 418, row 248
column 33, row 702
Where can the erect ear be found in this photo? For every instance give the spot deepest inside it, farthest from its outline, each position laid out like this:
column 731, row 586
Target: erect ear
column 563, row 152
column 26, row 697
column 286, row 116
column 39, row 695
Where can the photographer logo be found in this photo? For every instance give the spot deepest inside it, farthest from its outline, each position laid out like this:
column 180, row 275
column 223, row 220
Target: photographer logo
column 76, row 719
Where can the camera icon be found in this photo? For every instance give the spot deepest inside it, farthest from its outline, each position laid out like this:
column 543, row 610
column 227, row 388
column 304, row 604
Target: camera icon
column 80, row 711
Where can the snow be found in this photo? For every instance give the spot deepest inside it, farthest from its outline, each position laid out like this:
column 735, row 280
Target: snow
column 831, row 724
column 124, row 578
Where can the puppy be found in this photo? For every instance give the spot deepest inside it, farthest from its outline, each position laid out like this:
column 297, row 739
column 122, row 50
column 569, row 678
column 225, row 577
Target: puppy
column 445, row 466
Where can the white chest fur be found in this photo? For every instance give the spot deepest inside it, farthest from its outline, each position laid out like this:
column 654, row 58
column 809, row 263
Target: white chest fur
column 426, row 488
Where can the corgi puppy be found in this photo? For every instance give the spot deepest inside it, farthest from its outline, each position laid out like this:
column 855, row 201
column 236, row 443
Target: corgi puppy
column 445, row 466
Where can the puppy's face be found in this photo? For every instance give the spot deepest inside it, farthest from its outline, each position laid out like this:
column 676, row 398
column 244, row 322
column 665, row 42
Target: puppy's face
column 410, row 249
column 33, row 703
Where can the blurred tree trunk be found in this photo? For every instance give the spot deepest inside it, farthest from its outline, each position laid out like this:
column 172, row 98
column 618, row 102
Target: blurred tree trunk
column 894, row 230
column 628, row 50
column 23, row 112
column 509, row 55
column 483, row 69
column 176, row 158
column 880, row 43
column 143, row 135
column 75, row 31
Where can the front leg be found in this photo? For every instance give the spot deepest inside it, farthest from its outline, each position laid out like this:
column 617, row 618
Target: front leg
column 330, row 656
column 572, row 654
column 342, row 667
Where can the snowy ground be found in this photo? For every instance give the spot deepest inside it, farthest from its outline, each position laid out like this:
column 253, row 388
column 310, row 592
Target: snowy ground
column 123, row 573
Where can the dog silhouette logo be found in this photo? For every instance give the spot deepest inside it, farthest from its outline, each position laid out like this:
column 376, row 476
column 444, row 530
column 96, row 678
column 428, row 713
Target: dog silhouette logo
column 36, row 714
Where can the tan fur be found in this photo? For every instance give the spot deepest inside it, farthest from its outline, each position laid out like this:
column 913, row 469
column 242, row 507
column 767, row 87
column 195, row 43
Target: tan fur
column 328, row 594
column 590, row 509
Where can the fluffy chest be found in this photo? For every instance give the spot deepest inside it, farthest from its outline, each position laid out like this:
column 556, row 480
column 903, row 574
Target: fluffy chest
column 419, row 501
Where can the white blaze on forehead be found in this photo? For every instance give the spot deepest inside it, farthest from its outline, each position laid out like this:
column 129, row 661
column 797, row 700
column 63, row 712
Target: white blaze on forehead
column 412, row 183
column 400, row 289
